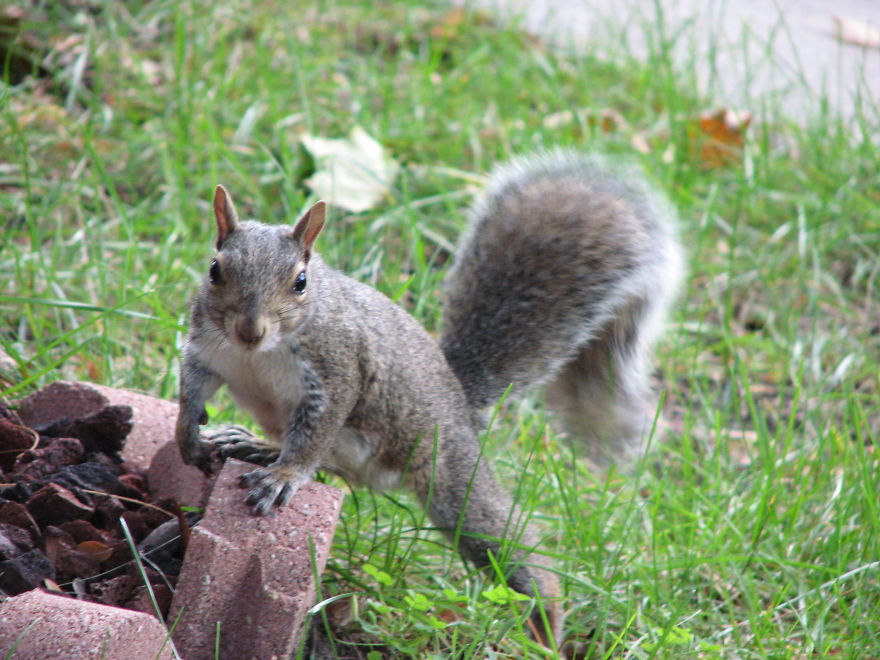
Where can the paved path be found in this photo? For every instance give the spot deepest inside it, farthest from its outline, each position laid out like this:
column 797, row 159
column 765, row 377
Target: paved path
column 784, row 51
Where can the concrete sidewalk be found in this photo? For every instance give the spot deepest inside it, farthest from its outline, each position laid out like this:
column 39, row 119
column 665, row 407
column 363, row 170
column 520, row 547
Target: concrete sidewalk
column 744, row 52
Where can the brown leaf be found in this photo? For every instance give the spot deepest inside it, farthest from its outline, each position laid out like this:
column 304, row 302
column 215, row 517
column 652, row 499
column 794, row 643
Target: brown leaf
column 96, row 549
column 449, row 616
column 608, row 120
column 720, row 136
column 15, row 439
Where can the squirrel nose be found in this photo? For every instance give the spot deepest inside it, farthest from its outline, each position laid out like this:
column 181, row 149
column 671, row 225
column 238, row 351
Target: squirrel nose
column 250, row 332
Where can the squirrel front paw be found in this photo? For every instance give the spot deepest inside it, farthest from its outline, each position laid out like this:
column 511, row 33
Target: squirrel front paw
column 272, row 486
column 238, row 442
column 200, row 454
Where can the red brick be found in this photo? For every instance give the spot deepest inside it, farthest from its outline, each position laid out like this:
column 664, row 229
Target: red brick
column 42, row 625
column 252, row 574
column 153, row 419
column 170, row 478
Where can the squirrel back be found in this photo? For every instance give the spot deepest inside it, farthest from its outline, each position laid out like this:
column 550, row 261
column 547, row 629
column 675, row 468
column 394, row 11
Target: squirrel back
column 562, row 280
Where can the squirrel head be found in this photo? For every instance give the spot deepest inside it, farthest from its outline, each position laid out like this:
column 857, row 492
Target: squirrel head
column 258, row 289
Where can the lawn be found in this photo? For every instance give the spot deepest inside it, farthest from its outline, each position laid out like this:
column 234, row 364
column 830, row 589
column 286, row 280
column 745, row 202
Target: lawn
column 751, row 528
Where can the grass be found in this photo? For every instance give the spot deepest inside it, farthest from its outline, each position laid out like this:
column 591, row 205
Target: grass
column 752, row 529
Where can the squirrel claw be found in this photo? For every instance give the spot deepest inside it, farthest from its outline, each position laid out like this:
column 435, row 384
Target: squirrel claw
column 272, row 486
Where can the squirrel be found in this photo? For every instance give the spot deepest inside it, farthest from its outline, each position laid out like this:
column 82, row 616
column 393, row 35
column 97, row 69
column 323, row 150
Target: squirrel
column 561, row 280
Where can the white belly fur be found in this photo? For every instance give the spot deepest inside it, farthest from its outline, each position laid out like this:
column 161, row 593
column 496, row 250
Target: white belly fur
column 353, row 457
column 268, row 384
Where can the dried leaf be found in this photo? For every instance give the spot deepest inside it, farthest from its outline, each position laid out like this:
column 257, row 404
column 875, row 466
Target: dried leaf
column 450, row 25
column 720, row 137
column 857, row 33
column 52, row 586
column 353, row 173
column 449, row 616
column 608, row 120
column 96, row 549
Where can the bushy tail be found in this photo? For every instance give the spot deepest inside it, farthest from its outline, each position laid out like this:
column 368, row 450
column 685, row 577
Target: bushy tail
column 562, row 280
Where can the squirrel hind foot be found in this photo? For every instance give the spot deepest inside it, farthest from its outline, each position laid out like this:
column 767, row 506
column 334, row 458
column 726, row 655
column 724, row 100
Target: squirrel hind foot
column 235, row 441
column 272, row 486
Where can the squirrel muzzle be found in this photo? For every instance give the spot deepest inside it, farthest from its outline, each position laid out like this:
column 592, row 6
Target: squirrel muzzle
column 249, row 331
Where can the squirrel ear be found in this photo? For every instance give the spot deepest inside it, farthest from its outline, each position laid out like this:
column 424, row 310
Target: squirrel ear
column 225, row 214
column 310, row 225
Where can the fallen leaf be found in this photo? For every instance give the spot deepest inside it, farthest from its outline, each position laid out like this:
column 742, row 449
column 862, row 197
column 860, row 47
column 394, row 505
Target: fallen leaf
column 449, row 616
column 608, row 120
column 353, row 173
column 720, row 137
column 53, row 586
column 96, row 549
column 857, row 33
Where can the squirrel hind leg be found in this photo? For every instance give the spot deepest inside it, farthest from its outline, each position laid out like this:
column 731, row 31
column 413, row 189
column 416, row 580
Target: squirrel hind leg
column 603, row 396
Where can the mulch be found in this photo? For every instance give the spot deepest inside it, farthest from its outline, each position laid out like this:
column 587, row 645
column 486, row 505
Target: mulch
column 66, row 495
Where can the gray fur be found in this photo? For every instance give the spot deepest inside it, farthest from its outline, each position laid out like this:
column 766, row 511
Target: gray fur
column 343, row 379
column 563, row 280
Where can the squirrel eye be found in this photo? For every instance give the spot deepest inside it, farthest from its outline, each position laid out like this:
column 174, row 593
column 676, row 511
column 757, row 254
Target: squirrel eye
column 214, row 272
column 299, row 285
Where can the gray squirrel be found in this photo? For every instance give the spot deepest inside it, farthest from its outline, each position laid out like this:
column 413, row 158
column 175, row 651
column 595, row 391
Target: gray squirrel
column 562, row 280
